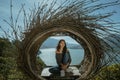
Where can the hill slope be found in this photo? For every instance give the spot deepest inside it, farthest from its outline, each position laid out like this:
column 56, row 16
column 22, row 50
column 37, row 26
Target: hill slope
column 52, row 43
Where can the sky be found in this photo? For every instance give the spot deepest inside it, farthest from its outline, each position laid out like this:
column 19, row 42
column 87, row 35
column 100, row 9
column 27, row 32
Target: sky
column 29, row 4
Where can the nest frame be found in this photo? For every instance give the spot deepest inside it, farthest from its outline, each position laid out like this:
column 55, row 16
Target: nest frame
column 84, row 36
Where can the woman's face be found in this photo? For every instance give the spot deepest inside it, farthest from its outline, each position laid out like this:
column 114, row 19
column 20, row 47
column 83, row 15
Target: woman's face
column 62, row 44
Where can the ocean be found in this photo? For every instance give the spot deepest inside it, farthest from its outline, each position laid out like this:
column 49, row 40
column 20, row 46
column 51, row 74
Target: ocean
column 48, row 56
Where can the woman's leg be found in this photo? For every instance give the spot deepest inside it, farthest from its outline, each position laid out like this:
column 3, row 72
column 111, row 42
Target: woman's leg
column 65, row 58
column 54, row 70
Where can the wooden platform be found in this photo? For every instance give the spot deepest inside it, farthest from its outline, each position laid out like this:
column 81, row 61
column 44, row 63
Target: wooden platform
column 72, row 75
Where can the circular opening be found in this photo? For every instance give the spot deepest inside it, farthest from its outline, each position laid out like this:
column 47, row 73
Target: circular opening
column 48, row 48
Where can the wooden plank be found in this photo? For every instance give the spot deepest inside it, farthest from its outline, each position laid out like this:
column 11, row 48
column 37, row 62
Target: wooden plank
column 72, row 69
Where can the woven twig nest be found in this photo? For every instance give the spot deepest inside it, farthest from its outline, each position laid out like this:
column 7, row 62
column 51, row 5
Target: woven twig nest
column 74, row 21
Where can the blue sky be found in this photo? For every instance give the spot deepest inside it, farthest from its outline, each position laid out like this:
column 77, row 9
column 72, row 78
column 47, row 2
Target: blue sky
column 5, row 11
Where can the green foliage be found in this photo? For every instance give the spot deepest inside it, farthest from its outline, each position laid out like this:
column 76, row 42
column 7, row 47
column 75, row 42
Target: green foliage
column 111, row 72
column 5, row 65
column 3, row 44
column 8, row 61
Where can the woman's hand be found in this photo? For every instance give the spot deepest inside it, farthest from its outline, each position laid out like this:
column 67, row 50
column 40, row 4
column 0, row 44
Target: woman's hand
column 64, row 67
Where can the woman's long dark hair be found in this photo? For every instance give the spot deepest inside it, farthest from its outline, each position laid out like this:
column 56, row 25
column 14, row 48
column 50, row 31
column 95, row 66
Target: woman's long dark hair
column 65, row 47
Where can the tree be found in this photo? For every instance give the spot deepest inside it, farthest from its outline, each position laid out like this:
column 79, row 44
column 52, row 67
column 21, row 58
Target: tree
column 111, row 72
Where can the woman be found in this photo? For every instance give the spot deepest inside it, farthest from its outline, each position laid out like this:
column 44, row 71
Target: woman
column 63, row 57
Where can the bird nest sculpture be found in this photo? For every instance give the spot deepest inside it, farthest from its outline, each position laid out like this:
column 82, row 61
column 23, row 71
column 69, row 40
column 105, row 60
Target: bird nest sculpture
column 77, row 20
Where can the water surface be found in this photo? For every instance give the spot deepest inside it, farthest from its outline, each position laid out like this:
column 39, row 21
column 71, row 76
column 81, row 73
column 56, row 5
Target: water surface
column 48, row 56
